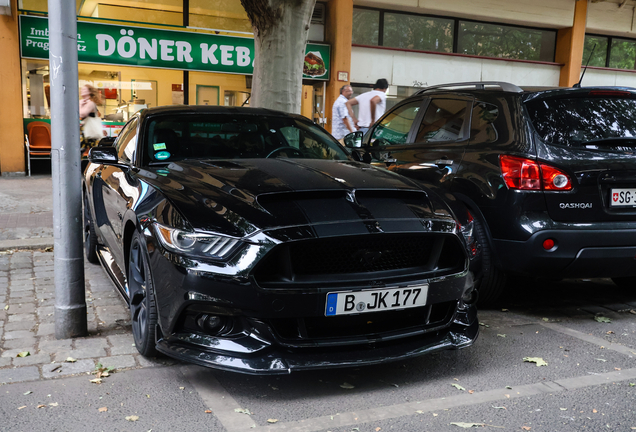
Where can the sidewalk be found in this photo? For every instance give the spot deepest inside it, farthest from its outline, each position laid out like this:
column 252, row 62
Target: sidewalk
column 27, row 291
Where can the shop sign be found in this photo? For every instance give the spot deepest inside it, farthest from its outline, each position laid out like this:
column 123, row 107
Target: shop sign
column 165, row 49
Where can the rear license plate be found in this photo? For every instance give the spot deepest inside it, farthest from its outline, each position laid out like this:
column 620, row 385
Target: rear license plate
column 344, row 303
column 623, row 197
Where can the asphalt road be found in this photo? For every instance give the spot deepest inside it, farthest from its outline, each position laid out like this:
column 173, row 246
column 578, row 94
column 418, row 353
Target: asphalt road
column 589, row 382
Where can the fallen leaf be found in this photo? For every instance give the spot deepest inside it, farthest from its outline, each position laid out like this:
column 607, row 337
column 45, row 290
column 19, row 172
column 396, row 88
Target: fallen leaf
column 468, row 425
column 103, row 409
column 242, row 411
column 484, row 325
column 347, row 386
column 132, row 418
column 538, row 360
column 603, row 360
column 41, row 406
column 70, row 360
column 602, row 319
column 617, row 368
column 56, row 368
column 609, row 332
column 633, row 312
column 378, row 429
column 509, row 388
column 458, row 387
column 526, row 427
column 6, row 307
column 23, row 354
column 96, row 381
column 272, row 420
column 53, row 404
column 208, row 412
column 22, row 407
column 27, row 393
column 181, row 388
column 435, row 415
column 546, row 319
column 419, row 412
column 594, row 411
column 501, row 335
column 632, row 384
column 500, row 407
column 471, row 391
column 504, row 310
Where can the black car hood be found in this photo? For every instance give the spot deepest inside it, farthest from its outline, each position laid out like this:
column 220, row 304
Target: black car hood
column 239, row 197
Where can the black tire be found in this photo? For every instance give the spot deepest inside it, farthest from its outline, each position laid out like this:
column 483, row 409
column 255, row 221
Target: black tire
column 625, row 282
column 490, row 280
column 90, row 237
column 143, row 311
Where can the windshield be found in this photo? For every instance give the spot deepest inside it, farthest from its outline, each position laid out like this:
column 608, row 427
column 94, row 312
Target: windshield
column 586, row 121
column 222, row 136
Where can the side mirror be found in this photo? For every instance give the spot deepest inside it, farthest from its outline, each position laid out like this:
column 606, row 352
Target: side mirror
column 103, row 155
column 354, row 139
column 106, row 142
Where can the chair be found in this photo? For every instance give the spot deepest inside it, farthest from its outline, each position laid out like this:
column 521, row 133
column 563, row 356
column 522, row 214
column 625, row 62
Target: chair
column 37, row 142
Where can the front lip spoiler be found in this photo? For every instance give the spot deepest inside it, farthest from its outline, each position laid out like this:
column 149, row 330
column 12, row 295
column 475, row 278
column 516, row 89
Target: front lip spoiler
column 273, row 362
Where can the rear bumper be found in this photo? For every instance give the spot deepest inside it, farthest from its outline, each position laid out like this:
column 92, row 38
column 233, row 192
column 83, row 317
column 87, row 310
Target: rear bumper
column 581, row 252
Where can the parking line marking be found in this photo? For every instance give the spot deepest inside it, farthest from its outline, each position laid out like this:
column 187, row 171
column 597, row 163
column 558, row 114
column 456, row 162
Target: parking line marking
column 591, row 339
column 409, row 409
column 217, row 399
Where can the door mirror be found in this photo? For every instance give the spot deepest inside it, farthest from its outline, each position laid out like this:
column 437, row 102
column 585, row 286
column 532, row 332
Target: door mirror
column 106, row 142
column 354, row 139
column 103, row 155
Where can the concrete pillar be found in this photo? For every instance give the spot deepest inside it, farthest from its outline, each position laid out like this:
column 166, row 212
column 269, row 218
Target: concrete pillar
column 338, row 33
column 12, row 131
column 569, row 49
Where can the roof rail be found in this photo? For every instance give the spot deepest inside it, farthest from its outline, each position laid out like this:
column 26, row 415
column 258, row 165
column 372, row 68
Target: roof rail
column 478, row 85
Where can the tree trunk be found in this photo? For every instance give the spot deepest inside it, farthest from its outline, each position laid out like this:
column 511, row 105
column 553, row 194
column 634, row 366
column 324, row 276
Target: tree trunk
column 280, row 35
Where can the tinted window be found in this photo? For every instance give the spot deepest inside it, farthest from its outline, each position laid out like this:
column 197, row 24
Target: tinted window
column 395, row 127
column 482, row 129
column 366, row 27
column 623, row 54
column 596, row 47
column 206, row 136
column 418, row 32
column 495, row 40
column 443, row 121
column 587, row 121
column 127, row 143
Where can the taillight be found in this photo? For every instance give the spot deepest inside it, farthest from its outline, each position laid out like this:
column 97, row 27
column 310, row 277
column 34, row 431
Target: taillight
column 526, row 174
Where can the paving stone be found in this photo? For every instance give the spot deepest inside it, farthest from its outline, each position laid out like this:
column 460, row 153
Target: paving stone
column 17, row 334
column 90, row 343
column 155, row 361
column 33, row 359
column 82, row 353
column 118, row 362
column 122, row 344
column 21, row 265
column 13, row 375
column 21, row 308
column 45, row 310
column 80, row 366
column 5, row 361
column 45, row 329
column 22, row 290
column 22, row 317
column 52, row 346
column 19, row 343
column 20, row 325
column 14, row 352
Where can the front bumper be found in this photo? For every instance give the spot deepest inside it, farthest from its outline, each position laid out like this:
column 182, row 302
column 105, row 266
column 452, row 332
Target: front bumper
column 252, row 354
column 581, row 251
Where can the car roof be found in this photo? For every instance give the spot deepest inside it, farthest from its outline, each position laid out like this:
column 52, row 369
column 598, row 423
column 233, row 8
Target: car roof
column 213, row 109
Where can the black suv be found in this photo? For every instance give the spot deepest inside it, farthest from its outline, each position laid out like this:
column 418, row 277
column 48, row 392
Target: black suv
column 549, row 174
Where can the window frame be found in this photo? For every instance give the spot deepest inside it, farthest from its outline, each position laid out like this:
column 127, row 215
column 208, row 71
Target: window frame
column 610, row 40
column 468, row 100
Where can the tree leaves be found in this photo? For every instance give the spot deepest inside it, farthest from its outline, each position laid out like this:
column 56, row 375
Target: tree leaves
column 467, row 425
column 23, row 354
column 602, row 319
column 538, row 360
column 458, row 387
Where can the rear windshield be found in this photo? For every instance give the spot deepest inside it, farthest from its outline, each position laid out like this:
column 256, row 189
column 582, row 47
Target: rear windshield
column 589, row 122
column 214, row 136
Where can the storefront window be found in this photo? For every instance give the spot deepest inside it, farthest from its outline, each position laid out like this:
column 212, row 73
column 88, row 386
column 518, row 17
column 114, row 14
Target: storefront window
column 219, row 15
column 366, row 26
column 494, row 40
column 418, row 32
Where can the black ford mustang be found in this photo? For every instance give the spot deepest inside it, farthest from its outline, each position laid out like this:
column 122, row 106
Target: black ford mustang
column 248, row 240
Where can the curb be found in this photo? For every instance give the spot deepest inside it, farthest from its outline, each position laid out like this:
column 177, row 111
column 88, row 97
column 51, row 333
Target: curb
column 30, row 243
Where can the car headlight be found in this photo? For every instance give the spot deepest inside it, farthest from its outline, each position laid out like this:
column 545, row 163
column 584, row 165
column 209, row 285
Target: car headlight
column 196, row 244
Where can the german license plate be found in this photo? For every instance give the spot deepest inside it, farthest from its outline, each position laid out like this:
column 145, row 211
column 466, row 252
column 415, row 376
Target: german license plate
column 344, row 303
column 623, row 197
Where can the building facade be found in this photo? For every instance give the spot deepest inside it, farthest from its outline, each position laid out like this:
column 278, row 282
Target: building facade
column 160, row 52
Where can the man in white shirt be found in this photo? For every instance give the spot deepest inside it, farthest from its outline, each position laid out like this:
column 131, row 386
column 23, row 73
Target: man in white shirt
column 342, row 123
column 372, row 105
